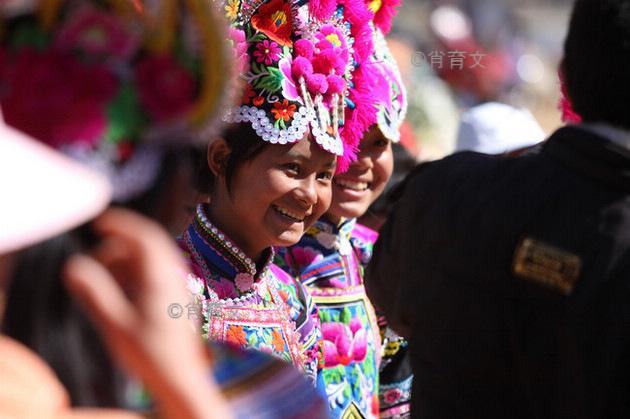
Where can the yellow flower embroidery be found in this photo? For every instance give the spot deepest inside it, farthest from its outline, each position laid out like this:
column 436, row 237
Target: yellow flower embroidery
column 231, row 9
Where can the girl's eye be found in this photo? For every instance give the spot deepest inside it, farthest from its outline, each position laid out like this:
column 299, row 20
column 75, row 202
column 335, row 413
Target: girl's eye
column 292, row 168
column 325, row 175
column 381, row 143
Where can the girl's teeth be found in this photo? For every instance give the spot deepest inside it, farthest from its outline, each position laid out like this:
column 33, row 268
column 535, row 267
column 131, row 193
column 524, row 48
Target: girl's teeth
column 357, row 186
column 289, row 214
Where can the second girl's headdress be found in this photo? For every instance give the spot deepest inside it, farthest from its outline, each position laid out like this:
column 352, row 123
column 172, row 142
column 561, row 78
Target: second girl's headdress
column 376, row 95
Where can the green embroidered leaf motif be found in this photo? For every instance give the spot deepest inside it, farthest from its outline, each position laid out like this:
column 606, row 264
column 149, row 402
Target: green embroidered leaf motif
column 272, row 81
column 347, row 392
column 329, row 376
column 259, row 37
column 345, row 316
column 286, row 51
column 324, row 315
column 279, row 124
column 367, row 364
column 252, row 340
column 30, row 35
column 126, row 120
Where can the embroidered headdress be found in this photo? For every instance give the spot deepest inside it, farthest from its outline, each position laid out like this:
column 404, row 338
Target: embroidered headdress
column 112, row 82
column 392, row 111
column 376, row 95
column 297, row 62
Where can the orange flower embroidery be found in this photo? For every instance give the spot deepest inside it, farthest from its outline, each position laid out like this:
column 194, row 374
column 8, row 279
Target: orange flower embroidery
column 275, row 19
column 282, row 110
column 278, row 341
column 236, row 336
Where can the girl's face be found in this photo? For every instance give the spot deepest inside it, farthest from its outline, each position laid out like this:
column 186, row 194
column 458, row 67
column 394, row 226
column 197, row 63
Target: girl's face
column 275, row 197
column 355, row 190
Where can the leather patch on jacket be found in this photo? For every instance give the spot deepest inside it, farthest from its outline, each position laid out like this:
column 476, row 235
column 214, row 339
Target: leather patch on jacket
column 546, row 265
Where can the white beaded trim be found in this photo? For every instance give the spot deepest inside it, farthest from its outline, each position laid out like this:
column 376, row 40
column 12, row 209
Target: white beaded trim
column 301, row 120
column 251, row 266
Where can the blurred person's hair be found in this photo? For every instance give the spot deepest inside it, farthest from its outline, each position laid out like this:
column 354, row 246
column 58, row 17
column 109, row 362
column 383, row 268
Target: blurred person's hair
column 597, row 61
column 41, row 314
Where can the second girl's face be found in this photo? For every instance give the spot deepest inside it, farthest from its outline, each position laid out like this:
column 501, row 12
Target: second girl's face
column 356, row 189
column 277, row 196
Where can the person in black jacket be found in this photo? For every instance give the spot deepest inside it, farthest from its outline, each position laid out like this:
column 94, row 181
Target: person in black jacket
column 511, row 274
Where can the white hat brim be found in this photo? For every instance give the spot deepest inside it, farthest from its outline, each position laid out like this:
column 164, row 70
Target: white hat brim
column 42, row 192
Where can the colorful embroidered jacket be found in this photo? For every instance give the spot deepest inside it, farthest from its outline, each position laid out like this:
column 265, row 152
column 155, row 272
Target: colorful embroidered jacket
column 329, row 266
column 395, row 375
column 265, row 310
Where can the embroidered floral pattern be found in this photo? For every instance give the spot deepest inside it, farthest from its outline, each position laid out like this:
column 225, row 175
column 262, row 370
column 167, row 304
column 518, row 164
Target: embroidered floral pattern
column 236, row 336
column 299, row 72
column 244, row 282
column 351, row 345
column 275, row 19
column 278, row 341
column 267, row 52
column 283, row 111
column 231, row 9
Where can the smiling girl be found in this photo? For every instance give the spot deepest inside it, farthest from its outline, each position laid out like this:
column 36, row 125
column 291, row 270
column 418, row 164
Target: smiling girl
column 330, row 258
column 271, row 176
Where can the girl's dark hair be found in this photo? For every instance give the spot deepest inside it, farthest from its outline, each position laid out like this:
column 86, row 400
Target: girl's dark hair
column 41, row 315
column 244, row 144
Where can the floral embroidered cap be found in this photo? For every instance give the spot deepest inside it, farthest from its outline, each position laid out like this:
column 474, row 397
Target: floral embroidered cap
column 296, row 61
column 112, row 83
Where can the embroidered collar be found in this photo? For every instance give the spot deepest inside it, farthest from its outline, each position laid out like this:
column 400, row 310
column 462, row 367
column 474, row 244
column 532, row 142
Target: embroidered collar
column 214, row 251
column 331, row 236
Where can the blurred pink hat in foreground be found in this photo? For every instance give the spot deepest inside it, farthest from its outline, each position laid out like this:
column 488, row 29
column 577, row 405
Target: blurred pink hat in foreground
column 43, row 192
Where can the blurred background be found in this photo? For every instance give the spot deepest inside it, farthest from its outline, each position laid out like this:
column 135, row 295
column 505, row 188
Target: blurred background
column 456, row 55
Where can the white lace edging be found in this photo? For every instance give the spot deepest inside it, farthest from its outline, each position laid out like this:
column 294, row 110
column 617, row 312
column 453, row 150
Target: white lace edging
column 302, row 119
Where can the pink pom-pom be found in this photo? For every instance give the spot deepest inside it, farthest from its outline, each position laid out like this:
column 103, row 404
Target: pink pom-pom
column 349, row 155
column 357, row 13
column 384, row 16
column 322, row 9
column 329, row 60
column 316, row 83
column 301, row 67
column 304, row 48
column 324, row 45
column 335, row 84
